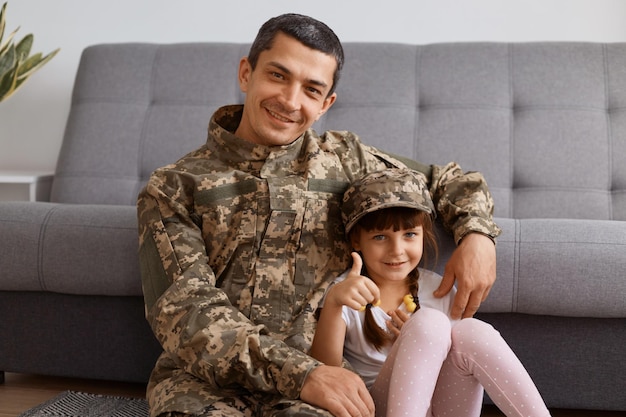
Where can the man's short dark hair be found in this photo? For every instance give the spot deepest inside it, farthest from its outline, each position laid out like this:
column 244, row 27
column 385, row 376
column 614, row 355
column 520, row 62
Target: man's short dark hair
column 308, row 31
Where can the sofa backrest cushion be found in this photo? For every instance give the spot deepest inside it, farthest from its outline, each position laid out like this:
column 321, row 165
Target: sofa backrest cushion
column 545, row 122
column 136, row 107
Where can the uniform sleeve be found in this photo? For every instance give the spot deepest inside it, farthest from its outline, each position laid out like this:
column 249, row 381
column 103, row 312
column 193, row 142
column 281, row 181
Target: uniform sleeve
column 462, row 199
column 191, row 317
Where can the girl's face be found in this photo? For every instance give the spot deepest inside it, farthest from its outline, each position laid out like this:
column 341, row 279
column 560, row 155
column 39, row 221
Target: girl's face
column 389, row 255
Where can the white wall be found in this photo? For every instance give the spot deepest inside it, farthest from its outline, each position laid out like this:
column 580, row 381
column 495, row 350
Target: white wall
column 32, row 121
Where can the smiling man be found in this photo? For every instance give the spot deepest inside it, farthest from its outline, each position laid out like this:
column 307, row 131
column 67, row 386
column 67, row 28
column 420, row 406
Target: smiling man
column 287, row 89
column 240, row 239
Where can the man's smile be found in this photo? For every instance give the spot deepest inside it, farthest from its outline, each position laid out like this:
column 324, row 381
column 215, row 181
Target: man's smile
column 279, row 117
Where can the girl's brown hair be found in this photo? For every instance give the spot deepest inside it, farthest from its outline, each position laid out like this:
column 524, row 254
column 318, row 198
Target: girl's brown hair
column 396, row 218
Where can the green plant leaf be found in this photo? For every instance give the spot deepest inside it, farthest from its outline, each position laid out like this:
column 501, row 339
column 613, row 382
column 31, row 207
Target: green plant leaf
column 7, row 43
column 2, row 21
column 33, row 63
column 24, row 46
column 7, row 60
column 15, row 64
column 29, row 64
column 8, row 82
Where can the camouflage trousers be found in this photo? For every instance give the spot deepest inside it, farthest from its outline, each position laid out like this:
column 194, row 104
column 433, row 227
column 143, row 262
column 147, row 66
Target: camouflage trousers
column 236, row 407
column 207, row 401
column 179, row 390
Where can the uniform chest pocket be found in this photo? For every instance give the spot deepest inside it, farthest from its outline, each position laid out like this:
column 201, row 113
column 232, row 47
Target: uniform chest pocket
column 229, row 230
column 282, row 233
column 322, row 250
column 323, row 227
column 322, row 239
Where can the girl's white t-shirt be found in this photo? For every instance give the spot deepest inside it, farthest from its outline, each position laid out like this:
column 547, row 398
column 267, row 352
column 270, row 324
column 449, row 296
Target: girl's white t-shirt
column 364, row 357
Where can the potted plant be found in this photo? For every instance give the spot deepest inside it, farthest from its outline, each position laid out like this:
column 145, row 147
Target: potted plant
column 16, row 66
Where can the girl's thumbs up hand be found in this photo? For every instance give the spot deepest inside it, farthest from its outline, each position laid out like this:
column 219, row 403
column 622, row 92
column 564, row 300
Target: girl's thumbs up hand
column 357, row 264
column 356, row 291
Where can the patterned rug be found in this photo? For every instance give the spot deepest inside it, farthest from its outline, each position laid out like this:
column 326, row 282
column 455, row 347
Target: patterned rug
column 80, row 404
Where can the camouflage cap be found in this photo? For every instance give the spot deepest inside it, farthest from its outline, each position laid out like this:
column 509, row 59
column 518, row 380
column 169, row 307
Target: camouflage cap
column 392, row 187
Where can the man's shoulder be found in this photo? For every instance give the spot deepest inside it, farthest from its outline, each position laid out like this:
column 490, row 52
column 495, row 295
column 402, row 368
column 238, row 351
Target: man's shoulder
column 335, row 138
column 340, row 141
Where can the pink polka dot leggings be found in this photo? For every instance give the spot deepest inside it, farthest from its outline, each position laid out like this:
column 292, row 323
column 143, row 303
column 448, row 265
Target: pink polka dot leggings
column 439, row 369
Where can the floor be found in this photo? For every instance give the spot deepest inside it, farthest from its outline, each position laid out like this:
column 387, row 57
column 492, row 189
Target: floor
column 21, row 392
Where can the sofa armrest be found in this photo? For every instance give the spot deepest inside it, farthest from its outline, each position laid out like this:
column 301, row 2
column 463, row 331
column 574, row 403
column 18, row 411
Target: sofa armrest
column 560, row 267
column 555, row 267
column 69, row 248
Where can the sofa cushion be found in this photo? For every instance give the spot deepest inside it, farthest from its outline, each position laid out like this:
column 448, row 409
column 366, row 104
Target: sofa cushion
column 69, row 249
column 560, row 267
column 131, row 104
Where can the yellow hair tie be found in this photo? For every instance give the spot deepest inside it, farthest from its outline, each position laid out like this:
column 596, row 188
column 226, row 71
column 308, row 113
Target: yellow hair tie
column 409, row 302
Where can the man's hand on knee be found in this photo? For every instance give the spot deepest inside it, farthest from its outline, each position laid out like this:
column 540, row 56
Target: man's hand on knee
column 339, row 391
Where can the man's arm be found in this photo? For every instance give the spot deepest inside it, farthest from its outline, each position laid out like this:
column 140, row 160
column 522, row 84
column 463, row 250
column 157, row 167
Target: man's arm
column 465, row 205
column 192, row 318
column 463, row 201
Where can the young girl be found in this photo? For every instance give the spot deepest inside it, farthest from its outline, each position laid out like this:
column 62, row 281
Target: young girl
column 381, row 315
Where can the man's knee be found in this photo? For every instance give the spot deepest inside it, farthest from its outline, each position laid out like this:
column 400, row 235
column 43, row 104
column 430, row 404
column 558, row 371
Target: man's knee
column 296, row 408
column 218, row 409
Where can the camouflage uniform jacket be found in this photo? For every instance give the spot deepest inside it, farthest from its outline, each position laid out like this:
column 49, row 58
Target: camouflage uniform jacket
column 238, row 243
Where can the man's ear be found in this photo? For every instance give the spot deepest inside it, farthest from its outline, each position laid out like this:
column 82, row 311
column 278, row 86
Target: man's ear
column 328, row 102
column 245, row 69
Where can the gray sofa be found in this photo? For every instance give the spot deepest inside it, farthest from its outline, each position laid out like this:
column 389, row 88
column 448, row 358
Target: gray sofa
column 544, row 122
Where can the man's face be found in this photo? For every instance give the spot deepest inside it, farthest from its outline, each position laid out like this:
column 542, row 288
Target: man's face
column 286, row 93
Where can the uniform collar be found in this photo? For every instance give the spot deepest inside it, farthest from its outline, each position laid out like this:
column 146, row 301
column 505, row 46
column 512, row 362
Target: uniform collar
column 222, row 139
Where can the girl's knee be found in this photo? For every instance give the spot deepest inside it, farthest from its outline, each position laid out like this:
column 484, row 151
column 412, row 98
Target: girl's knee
column 429, row 331
column 431, row 315
column 472, row 330
column 428, row 321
